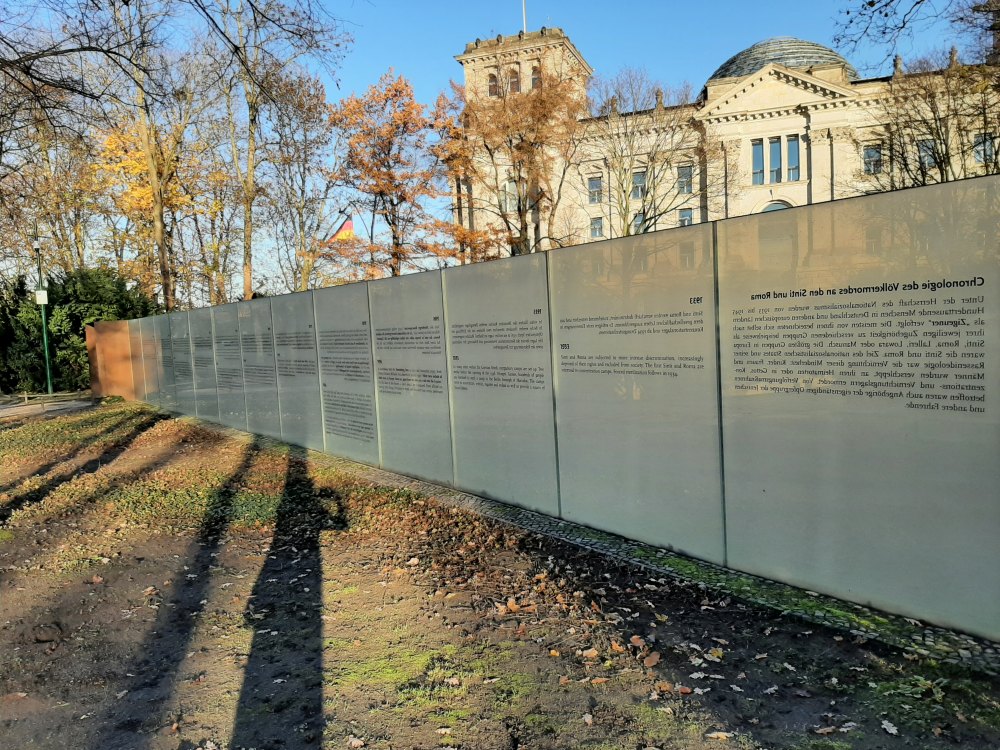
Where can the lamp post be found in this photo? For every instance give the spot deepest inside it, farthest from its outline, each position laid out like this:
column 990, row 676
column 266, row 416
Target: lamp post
column 42, row 298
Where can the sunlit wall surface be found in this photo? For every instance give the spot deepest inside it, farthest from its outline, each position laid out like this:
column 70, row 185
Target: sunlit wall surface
column 809, row 394
column 860, row 414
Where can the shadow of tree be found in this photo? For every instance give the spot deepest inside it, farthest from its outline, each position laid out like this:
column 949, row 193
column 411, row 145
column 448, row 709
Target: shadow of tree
column 37, row 494
column 281, row 701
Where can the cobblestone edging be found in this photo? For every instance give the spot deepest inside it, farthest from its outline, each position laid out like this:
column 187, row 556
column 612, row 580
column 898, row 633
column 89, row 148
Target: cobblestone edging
column 894, row 630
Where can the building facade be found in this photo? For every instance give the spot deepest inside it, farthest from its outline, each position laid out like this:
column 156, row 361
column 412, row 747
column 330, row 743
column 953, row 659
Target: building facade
column 783, row 123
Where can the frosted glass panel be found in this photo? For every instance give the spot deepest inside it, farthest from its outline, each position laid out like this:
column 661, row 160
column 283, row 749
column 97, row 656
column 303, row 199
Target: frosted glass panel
column 206, row 393
column 410, row 375
column 298, row 375
column 150, row 360
column 860, row 392
column 229, row 366
column 260, row 377
column 501, row 381
column 636, row 394
column 180, row 342
column 165, row 357
column 348, row 381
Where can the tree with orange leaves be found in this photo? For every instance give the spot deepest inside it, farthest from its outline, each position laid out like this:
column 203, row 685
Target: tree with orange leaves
column 392, row 173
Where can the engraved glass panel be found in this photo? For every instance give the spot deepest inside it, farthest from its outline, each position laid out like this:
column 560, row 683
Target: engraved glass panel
column 411, row 375
column 858, row 357
column 501, row 381
column 298, row 378
column 348, row 380
column 637, row 411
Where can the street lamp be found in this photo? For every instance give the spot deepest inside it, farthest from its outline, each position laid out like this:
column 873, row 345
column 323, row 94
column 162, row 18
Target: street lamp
column 42, row 299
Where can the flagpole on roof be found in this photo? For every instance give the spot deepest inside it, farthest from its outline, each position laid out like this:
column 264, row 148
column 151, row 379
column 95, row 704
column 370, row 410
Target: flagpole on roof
column 524, row 14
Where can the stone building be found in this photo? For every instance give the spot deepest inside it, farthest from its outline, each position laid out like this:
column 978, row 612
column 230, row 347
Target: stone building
column 783, row 123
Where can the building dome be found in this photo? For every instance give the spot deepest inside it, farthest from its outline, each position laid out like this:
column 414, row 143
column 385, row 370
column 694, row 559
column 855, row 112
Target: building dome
column 784, row 50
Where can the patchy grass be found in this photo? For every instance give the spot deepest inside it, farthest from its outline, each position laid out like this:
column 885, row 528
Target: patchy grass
column 207, row 585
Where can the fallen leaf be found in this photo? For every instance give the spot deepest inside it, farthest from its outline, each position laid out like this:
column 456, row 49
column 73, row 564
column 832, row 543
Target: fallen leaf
column 564, row 680
column 355, row 742
column 588, row 720
column 590, row 653
column 889, row 727
column 826, row 730
column 411, row 562
column 617, row 648
column 512, row 606
column 637, row 641
column 96, row 580
column 718, row 735
column 598, row 680
column 664, row 687
column 553, row 652
column 652, row 660
column 684, row 690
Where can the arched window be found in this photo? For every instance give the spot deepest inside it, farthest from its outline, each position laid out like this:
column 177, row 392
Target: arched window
column 514, row 82
column 536, row 77
column 494, row 87
column 775, row 206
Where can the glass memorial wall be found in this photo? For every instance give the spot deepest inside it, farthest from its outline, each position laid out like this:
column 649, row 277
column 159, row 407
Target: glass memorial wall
column 260, row 375
column 500, row 379
column 206, row 384
column 229, row 366
column 180, row 344
column 347, row 379
column 824, row 418
column 411, row 376
column 858, row 353
column 637, row 409
column 298, row 375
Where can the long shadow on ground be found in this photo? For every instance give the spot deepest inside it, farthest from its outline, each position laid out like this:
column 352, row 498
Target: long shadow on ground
column 156, row 671
column 30, row 497
column 81, row 444
column 285, row 664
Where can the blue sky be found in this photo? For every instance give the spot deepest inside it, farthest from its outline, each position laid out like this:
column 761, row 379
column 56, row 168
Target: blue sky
column 674, row 41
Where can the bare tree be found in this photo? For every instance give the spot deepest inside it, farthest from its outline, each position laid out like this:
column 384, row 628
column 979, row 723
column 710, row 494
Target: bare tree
column 887, row 22
column 301, row 195
column 940, row 122
column 647, row 144
column 521, row 148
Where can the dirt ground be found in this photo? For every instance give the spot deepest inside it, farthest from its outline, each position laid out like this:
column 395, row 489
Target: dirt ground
column 168, row 585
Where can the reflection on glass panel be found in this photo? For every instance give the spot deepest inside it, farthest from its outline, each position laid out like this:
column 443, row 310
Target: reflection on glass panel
column 260, row 377
column 856, row 376
column 346, row 373
column 414, row 425
column 500, row 380
column 636, row 394
column 206, row 388
column 229, row 366
column 298, row 372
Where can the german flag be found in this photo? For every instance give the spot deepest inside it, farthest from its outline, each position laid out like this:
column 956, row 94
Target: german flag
column 346, row 231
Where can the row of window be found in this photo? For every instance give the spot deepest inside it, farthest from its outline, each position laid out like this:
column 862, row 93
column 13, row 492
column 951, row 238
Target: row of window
column 685, row 218
column 685, row 184
column 514, row 81
column 775, row 170
column 984, row 150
